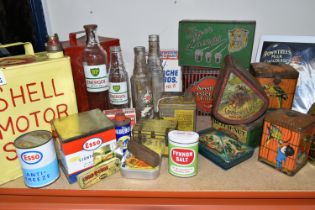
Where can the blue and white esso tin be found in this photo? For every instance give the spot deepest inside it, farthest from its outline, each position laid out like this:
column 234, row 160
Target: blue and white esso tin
column 37, row 156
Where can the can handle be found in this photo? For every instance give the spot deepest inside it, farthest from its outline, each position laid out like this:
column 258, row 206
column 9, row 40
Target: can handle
column 73, row 37
column 28, row 47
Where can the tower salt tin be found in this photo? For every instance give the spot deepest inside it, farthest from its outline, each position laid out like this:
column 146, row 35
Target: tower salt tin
column 286, row 140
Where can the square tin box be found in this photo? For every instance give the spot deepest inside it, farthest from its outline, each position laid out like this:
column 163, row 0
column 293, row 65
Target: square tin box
column 286, row 140
column 82, row 141
column 222, row 149
column 206, row 42
column 279, row 82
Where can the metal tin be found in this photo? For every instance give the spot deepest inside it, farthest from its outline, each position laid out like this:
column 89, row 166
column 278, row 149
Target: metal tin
column 249, row 134
column 37, row 156
column 123, row 132
column 222, row 149
column 286, row 140
column 179, row 108
column 279, row 82
column 82, row 139
column 183, row 153
column 238, row 97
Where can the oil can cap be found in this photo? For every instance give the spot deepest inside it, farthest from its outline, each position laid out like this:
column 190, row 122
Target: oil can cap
column 183, row 137
column 120, row 116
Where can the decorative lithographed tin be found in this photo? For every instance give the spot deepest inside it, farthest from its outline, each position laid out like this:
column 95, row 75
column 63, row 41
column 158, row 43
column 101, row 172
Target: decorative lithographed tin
column 311, row 111
column 279, row 82
column 98, row 173
column 83, row 141
column 195, row 75
column 222, row 149
column 238, row 97
column 38, row 159
column 181, row 109
column 205, row 43
column 183, row 153
column 286, row 140
column 154, row 129
column 249, row 134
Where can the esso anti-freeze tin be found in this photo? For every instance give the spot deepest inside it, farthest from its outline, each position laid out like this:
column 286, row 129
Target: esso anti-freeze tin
column 36, row 153
column 183, row 153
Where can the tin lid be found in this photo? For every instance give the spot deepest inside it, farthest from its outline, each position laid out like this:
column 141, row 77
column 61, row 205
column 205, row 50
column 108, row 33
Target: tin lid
column 154, row 127
column 32, row 139
column 183, row 137
column 269, row 70
column 290, row 119
column 81, row 125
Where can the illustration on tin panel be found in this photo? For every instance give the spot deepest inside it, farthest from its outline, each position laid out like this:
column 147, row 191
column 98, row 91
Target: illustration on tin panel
column 274, row 90
column 299, row 52
column 238, row 100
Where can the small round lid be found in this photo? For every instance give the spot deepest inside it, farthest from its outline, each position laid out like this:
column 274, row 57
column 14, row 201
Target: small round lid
column 120, row 116
column 183, row 137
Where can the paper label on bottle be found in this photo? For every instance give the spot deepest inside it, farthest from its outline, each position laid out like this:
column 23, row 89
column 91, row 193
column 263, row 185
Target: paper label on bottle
column 3, row 81
column 96, row 78
column 118, row 93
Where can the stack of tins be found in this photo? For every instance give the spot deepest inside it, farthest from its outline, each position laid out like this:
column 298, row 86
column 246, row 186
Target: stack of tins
column 74, row 49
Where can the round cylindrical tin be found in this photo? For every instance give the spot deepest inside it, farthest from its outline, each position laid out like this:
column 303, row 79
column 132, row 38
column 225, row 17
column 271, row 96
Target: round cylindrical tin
column 37, row 156
column 183, row 153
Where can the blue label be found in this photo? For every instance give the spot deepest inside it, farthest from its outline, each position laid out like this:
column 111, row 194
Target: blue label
column 123, row 135
column 41, row 176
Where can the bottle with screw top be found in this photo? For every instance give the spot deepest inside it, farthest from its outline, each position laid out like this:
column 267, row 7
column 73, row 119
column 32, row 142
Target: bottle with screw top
column 141, row 86
column 118, row 77
column 155, row 69
column 95, row 70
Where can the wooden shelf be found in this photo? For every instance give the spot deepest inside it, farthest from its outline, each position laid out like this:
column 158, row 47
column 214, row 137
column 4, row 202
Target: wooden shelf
column 251, row 184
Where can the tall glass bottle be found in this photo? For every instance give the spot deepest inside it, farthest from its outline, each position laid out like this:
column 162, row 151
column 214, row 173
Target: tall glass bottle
column 118, row 77
column 141, row 86
column 95, row 70
column 156, row 70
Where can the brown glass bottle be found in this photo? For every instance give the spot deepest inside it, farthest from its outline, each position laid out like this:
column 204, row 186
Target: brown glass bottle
column 118, row 80
column 95, row 70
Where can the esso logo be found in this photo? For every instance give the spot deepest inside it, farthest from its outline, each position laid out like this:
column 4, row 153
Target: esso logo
column 31, row 157
column 92, row 144
column 182, row 156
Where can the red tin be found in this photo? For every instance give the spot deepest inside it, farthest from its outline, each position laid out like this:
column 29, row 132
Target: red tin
column 74, row 49
column 194, row 76
column 238, row 97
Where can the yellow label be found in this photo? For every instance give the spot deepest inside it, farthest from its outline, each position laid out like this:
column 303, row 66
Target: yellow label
column 35, row 93
column 185, row 119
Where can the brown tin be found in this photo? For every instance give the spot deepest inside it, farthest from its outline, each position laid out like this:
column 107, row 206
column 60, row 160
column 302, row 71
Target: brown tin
column 238, row 97
column 286, row 140
column 279, row 82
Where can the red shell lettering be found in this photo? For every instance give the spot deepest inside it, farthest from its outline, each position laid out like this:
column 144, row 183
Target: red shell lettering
column 182, row 156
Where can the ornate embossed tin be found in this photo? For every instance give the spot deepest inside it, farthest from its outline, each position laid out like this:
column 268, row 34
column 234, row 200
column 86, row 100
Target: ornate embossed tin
column 286, row 140
column 238, row 97
column 180, row 108
column 279, row 82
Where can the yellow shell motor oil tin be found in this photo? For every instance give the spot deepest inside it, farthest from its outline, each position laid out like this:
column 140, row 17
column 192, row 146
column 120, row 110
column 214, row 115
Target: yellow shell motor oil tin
column 180, row 108
column 83, row 140
column 34, row 89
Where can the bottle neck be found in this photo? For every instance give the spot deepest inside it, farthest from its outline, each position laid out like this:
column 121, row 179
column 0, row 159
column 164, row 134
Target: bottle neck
column 91, row 36
column 116, row 60
column 154, row 48
column 154, row 58
column 140, row 66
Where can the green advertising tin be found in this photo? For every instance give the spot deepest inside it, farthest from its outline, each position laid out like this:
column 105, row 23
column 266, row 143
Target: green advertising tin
column 183, row 153
column 205, row 42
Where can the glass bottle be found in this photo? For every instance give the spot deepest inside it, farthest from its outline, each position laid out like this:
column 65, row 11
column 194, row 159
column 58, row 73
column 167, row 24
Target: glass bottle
column 95, row 70
column 156, row 70
column 141, row 86
column 118, row 77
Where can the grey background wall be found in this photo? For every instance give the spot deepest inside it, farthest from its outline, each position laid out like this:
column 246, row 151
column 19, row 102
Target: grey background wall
column 133, row 20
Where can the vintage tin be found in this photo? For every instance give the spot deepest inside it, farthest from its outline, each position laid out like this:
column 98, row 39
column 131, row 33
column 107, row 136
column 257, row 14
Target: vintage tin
column 222, row 149
column 286, row 140
column 192, row 77
column 98, row 172
column 206, row 42
column 123, row 132
column 311, row 111
column 279, row 82
column 155, row 129
column 183, row 153
column 238, row 97
column 37, row 156
column 74, row 48
column 249, row 134
column 129, row 112
column 181, row 109
column 83, row 140
column 34, row 89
